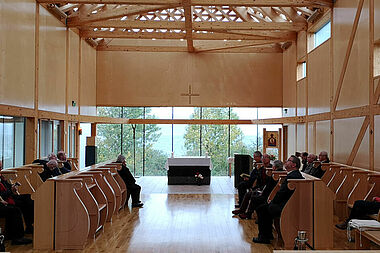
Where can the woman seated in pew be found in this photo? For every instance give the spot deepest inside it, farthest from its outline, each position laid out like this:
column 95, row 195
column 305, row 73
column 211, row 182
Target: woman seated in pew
column 130, row 182
column 253, row 199
column 268, row 211
column 24, row 202
column 361, row 210
column 52, row 170
column 61, row 155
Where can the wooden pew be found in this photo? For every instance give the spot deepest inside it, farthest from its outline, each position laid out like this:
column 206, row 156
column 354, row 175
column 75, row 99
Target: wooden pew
column 336, row 178
column 73, row 162
column 115, row 167
column 343, row 191
column 20, row 175
column 361, row 187
column 329, row 169
column 309, row 209
column 35, row 179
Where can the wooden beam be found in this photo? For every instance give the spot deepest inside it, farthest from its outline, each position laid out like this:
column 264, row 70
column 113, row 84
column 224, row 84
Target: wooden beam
column 377, row 92
column 174, row 36
column 348, row 53
column 351, row 113
column 116, row 13
column 232, row 45
column 284, row 3
column 200, row 26
column 10, row 110
column 319, row 117
column 189, row 25
column 358, row 141
column 257, row 49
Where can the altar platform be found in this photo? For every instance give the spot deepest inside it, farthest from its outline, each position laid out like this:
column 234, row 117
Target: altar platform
column 182, row 170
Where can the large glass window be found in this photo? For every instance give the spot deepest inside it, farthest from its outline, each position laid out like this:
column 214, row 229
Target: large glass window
column 46, row 144
column 12, row 141
column 86, row 131
column 108, row 140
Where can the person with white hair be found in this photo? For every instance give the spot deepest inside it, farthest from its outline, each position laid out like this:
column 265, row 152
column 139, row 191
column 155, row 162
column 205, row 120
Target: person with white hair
column 130, row 182
column 51, row 170
column 317, row 169
column 61, row 155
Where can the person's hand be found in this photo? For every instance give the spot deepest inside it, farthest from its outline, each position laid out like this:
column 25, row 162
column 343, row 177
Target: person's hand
column 2, row 201
column 245, row 178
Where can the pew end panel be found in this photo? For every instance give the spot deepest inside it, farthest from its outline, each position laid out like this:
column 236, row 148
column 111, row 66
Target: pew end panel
column 44, row 199
column 72, row 222
column 342, row 192
column 35, row 179
column 360, row 189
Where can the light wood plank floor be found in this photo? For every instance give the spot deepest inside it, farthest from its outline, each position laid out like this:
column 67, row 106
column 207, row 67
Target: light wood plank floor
column 181, row 219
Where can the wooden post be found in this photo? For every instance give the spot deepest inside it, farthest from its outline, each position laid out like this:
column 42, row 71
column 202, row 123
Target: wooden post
column 264, row 142
column 31, row 139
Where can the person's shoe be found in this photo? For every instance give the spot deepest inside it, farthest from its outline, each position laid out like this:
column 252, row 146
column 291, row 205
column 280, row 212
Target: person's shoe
column 29, row 230
column 236, row 212
column 137, row 205
column 342, row 226
column 244, row 216
column 21, row 241
column 261, row 240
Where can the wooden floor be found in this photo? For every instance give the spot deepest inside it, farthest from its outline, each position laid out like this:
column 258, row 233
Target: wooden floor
column 198, row 219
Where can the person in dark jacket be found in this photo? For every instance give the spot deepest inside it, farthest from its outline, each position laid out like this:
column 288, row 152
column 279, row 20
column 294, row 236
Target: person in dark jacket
column 248, row 183
column 267, row 212
column 317, row 171
column 51, row 170
column 130, row 182
column 61, row 155
column 254, row 199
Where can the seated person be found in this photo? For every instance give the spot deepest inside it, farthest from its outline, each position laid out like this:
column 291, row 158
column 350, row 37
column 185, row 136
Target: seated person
column 267, row 212
column 9, row 193
column 44, row 161
column 61, row 155
column 51, row 170
column 130, row 182
column 14, row 227
column 360, row 210
column 311, row 158
column 304, row 156
column 317, row 170
column 254, row 199
column 248, row 183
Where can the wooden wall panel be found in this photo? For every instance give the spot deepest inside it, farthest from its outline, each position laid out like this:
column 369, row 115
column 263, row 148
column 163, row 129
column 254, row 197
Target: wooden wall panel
column 377, row 142
column 301, row 97
column 52, row 68
column 301, row 45
column 291, row 139
column 345, row 134
column 159, row 79
column 322, row 136
column 88, row 81
column 72, row 89
column 362, row 157
column 311, row 142
column 301, row 137
column 17, row 57
column 319, row 79
column 289, row 81
column 353, row 93
column 377, row 20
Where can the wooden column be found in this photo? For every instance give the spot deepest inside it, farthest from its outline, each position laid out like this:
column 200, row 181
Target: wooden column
column 31, row 139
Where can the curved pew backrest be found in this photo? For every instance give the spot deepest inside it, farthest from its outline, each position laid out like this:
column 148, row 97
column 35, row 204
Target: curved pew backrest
column 90, row 203
column 72, row 221
column 23, row 176
column 335, row 179
column 74, row 163
column 35, row 179
column 361, row 187
column 374, row 184
column 106, row 189
column 343, row 191
column 328, row 168
column 113, row 183
column 278, row 176
column 309, row 209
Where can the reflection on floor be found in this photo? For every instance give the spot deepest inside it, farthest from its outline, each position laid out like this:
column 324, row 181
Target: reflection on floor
column 181, row 219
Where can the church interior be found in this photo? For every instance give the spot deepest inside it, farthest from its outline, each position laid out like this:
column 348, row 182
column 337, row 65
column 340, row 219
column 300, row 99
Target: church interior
column 155, row 80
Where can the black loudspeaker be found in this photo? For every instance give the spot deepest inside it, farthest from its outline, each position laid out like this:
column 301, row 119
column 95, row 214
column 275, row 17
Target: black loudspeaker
column 91, row 155
column 243, row 164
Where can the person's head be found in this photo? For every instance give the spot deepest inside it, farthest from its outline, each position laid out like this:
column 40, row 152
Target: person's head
column 266, row 159
column 120, row 159
column 298, row 154
column 278, row 165
column 52, row 156
column 311, row 158
column 323, row 156
column 293, row 163
column 52, row 164
column 257, row 156
column 61, row 155
column 304, row 156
